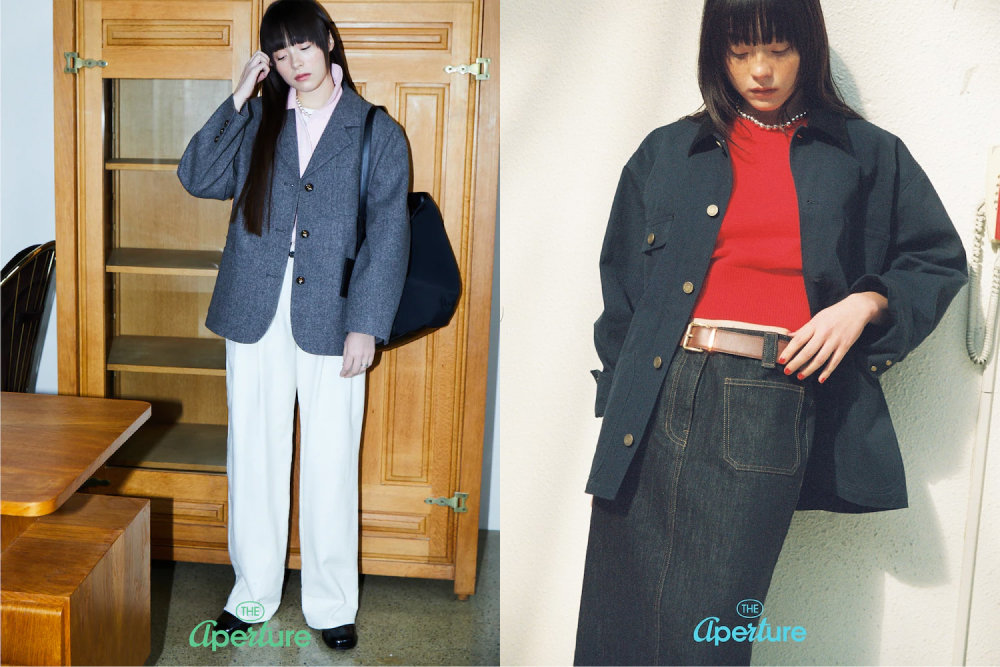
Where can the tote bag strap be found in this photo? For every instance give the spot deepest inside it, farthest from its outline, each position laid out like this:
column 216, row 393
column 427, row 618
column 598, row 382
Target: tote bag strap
column 362, row 219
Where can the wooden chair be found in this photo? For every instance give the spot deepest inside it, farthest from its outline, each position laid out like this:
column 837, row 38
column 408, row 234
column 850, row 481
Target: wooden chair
column 26, row 294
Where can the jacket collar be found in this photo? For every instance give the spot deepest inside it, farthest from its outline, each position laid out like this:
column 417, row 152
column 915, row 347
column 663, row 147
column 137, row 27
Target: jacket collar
column 348, row 114
column 822, row 122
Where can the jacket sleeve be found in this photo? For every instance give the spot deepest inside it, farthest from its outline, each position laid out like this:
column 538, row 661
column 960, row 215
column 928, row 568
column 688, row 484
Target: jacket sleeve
column 621, row 275
column 207, row 168
column 926, row 268
column 380, row 267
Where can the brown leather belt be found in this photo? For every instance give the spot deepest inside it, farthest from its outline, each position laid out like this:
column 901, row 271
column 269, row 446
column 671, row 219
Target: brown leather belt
column 704, row 338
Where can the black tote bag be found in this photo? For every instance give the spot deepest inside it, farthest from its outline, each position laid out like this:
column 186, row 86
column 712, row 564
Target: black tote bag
column 433, row 284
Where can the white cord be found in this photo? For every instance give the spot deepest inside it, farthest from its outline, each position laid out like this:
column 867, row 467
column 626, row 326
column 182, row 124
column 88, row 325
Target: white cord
column 981, row 352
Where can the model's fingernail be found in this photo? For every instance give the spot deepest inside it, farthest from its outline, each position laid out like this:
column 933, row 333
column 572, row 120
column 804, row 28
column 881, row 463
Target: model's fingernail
column 788, row 371
column 801, row 376
column 781, row 361
column 822, row 380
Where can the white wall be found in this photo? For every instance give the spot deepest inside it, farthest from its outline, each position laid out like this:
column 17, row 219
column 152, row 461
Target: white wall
column 27, row 171
column 27, row 205
column 593, row 78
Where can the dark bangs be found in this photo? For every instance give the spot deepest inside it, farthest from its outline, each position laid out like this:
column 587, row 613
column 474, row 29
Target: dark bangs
column 293, row 23
column 726, row 23
column 757, row 22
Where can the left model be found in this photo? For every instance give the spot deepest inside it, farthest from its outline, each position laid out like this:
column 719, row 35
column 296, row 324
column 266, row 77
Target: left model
column 291, row 159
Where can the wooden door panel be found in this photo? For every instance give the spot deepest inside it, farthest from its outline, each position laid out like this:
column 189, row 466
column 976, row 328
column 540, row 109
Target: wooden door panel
column 174, row 40
column 399, row 52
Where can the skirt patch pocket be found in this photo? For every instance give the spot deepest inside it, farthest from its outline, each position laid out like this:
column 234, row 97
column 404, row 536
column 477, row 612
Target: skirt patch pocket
column 763, row 427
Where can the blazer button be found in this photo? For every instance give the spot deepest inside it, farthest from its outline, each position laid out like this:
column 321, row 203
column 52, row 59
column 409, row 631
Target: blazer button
column 226, row 123
column 304, row 233
column 221, row 130
column 309, row 187
column 688, row 287
column 888, row 362
column 300, row 280
column 874, row 368
column 628, row 439
column 657, row 362
column 713, row 210
column 651, row 238
column 216, row 138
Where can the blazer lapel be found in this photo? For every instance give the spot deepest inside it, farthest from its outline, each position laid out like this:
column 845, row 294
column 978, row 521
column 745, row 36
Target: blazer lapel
column 340, row 131
column 288, row 142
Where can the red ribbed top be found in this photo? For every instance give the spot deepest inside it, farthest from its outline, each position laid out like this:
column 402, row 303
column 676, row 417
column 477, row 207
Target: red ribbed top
column 755, row 274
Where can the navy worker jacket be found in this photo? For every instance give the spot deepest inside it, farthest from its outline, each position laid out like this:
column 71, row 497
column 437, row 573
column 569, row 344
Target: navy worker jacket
column 870, row 220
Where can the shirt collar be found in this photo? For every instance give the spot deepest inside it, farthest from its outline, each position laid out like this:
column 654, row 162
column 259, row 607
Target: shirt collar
column 821, row 120
column 337, row 72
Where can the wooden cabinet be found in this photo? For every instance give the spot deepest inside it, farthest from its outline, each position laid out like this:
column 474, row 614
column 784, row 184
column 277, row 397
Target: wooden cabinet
column 137, row 260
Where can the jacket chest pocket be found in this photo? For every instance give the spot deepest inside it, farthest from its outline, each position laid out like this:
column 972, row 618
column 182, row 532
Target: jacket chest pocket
column 650, row 247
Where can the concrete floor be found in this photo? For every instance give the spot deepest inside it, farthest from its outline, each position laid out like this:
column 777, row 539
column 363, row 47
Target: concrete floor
column 401, row 621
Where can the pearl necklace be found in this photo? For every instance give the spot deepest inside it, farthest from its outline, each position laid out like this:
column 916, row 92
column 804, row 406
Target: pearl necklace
column 307, row 112
column 771, row 127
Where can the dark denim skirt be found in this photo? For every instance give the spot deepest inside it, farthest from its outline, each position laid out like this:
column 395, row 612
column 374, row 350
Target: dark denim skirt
column 700, row 519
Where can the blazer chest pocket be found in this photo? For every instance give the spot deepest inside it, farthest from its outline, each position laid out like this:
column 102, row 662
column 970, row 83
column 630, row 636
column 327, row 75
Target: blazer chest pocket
column 654, row 238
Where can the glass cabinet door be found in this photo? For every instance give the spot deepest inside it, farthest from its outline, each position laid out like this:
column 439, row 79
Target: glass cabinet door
column 150, row 251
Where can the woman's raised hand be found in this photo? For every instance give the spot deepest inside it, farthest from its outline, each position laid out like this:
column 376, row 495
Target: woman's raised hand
column 256, row 69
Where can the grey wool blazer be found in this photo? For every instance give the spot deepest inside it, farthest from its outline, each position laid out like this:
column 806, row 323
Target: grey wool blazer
column 215, row 165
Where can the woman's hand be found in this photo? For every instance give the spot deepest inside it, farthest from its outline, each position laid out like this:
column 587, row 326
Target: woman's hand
column 359, row 350
column 256, row 69
column 830, row 334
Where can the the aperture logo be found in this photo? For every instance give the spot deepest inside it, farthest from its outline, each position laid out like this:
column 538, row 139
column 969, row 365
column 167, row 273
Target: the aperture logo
column 709, row 629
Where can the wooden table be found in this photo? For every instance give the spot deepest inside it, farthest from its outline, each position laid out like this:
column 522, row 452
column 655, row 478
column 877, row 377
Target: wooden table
column 75, row 566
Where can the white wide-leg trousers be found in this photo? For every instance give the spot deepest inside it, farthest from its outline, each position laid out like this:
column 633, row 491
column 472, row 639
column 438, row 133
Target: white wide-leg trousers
column 261, row 382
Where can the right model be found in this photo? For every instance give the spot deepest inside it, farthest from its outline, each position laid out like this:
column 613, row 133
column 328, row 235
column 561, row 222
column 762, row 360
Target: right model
column 766, row 260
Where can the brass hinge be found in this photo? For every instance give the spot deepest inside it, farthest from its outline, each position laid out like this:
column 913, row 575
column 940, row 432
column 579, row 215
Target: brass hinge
column 74, row 62
column 481, row 69
column 456, row 502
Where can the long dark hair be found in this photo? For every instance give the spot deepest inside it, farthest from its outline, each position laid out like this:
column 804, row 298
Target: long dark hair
column 725, row 23
column 286, row 22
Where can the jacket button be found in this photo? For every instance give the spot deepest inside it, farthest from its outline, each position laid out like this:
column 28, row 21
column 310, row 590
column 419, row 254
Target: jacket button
column 874, row 368
column 226, row 123
column 688, row 287
column 309, row 187
column 221, row 130
column 657, row 362
column 300, row 280
column 888, row 362
column 216, row 138
column 304, row 233
column 713, row 210
column 651, row 238
column 628, row 439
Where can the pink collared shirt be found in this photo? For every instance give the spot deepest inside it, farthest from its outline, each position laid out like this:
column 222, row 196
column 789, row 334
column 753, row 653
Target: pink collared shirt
column 310, row 128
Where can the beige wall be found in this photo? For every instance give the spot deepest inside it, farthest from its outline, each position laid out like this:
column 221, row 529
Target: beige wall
column 593, row 77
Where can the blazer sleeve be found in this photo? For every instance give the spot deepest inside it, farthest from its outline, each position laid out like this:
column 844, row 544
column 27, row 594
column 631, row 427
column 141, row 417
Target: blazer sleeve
column 621, row 274
column 207, row 168
column 926, row 268
column 380, row 267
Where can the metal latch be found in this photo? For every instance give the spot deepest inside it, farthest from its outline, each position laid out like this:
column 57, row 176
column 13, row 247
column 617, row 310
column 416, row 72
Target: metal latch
column 456, row 502
column 481, row 68
column 74, row 62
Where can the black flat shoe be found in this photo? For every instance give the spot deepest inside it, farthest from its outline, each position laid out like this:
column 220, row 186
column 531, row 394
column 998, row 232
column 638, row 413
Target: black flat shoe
column 341, row 638
column 228, row 623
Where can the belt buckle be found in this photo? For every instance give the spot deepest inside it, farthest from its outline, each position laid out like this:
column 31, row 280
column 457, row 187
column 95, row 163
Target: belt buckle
column 688, row 335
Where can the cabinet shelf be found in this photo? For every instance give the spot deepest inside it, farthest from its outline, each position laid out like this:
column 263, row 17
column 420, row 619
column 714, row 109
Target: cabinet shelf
column 164, row 262
column 193, row 447
column 168, row 354
column 142, row 164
